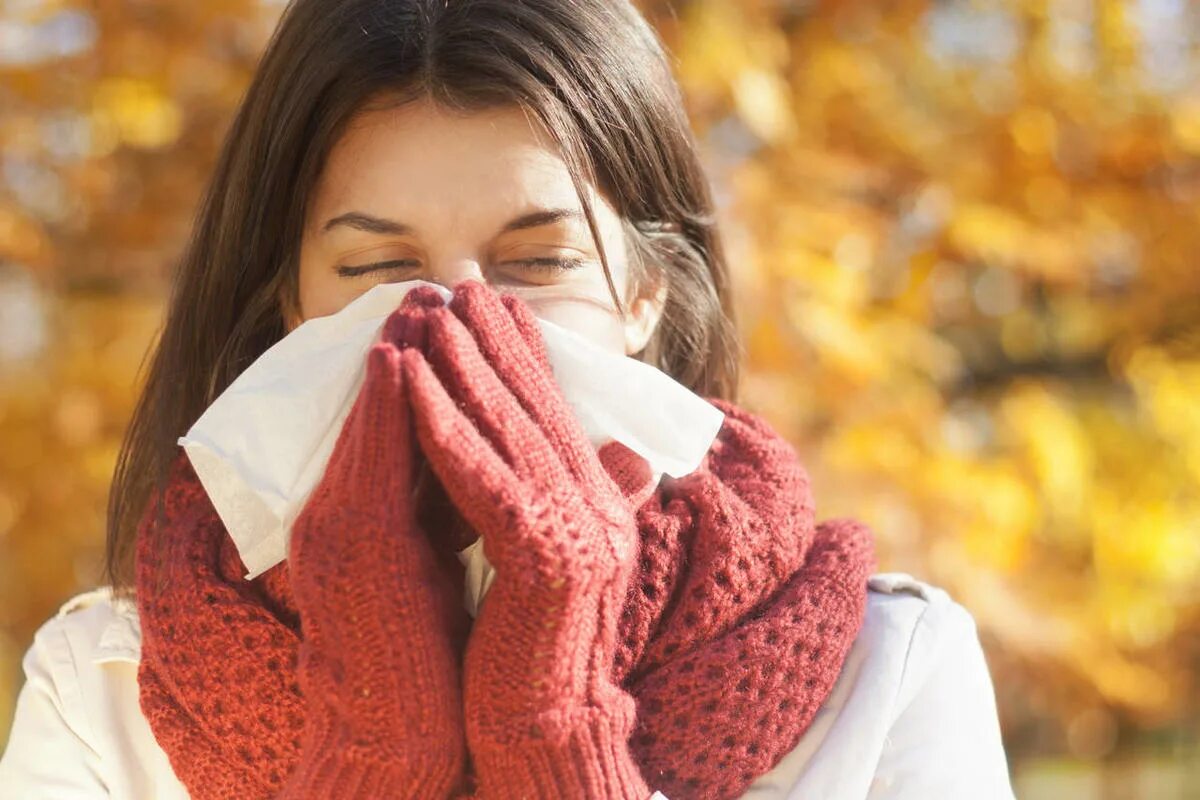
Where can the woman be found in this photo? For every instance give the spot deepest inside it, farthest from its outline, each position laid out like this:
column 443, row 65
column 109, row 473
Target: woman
column 702, row 637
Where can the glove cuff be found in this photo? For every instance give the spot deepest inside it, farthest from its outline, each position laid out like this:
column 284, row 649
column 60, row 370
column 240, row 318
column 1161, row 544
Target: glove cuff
column 589, row 760
column 331, row 769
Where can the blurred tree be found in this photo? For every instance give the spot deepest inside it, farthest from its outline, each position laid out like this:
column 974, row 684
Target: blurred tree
column 967, row 237
column 111, row 116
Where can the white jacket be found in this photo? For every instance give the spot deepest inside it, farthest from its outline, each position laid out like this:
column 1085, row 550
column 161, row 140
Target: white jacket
column 912, row 714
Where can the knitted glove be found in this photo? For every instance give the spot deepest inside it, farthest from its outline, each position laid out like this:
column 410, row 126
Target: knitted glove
column 543, row 717
column 378, row 665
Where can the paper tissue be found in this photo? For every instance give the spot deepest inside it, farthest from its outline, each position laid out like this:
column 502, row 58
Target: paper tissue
column 261, row 447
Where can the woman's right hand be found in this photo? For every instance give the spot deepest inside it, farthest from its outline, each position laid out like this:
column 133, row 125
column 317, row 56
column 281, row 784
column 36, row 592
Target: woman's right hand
column 379, row 665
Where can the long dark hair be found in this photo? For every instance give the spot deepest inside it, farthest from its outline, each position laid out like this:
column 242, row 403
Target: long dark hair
column 594, row 73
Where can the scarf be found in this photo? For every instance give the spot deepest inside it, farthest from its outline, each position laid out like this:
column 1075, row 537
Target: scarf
column 734, row 628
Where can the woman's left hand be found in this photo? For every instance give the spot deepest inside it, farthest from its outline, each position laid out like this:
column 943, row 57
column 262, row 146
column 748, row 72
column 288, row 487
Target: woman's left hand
column 543, row 715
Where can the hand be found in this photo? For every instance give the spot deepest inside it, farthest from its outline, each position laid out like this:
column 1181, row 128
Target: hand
column 543, row 716
column 378, row 665
column 436, row 513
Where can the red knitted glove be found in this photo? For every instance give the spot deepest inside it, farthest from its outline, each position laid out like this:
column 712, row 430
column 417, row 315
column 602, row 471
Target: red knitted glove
column 543, row 717
column 378, row 666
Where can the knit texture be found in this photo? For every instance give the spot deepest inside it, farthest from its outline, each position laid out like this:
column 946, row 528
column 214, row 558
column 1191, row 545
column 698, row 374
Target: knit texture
column 373, row 706
column 687, row 657
column 562, row 537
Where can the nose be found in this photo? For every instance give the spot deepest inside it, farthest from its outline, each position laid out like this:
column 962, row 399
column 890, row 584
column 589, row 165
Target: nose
column 454, row 271
column 448, row 274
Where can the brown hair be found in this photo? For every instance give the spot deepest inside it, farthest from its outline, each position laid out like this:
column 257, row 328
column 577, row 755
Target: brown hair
column 592, row 71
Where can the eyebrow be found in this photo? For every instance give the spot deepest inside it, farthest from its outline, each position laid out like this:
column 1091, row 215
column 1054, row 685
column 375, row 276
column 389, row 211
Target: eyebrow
column 388, row 227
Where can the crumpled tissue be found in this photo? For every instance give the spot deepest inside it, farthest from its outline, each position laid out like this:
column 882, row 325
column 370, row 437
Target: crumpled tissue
column 261, row 447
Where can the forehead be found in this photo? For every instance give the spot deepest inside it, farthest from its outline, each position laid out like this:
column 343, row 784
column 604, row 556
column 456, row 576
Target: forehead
column 422, row 162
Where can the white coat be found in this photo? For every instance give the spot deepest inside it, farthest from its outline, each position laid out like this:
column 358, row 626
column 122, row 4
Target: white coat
column 912, row 715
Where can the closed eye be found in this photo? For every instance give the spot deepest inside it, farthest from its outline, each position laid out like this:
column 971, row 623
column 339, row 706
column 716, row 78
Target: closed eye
column 550, row 264
column 536, row 264
column 363, row 269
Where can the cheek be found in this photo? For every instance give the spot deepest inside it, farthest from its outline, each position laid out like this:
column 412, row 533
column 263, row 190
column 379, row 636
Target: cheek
column 601, row 326
column 584, row 306
column 588, row 313
column 322, row 293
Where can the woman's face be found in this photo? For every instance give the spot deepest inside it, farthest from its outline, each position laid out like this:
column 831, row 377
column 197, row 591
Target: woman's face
column 418, row 192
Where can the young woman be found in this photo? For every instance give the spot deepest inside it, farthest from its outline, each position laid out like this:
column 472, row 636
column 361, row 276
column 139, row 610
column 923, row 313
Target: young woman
column 702, row 637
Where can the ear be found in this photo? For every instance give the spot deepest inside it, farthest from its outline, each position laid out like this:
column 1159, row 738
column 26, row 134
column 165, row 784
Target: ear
column 645, row 312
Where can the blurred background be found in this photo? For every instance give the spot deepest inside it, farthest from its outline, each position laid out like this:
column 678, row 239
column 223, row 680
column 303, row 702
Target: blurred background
column 965, row 239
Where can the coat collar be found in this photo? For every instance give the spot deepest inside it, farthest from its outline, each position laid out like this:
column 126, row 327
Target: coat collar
column 120, row 637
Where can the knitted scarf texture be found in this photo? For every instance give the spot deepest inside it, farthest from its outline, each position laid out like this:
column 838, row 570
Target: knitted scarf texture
column 734, row 629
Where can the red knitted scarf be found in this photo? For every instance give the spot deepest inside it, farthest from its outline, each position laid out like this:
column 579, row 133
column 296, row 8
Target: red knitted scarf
column 735, row 628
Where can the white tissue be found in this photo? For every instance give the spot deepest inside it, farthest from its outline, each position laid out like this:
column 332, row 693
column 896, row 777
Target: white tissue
column 261, row 447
